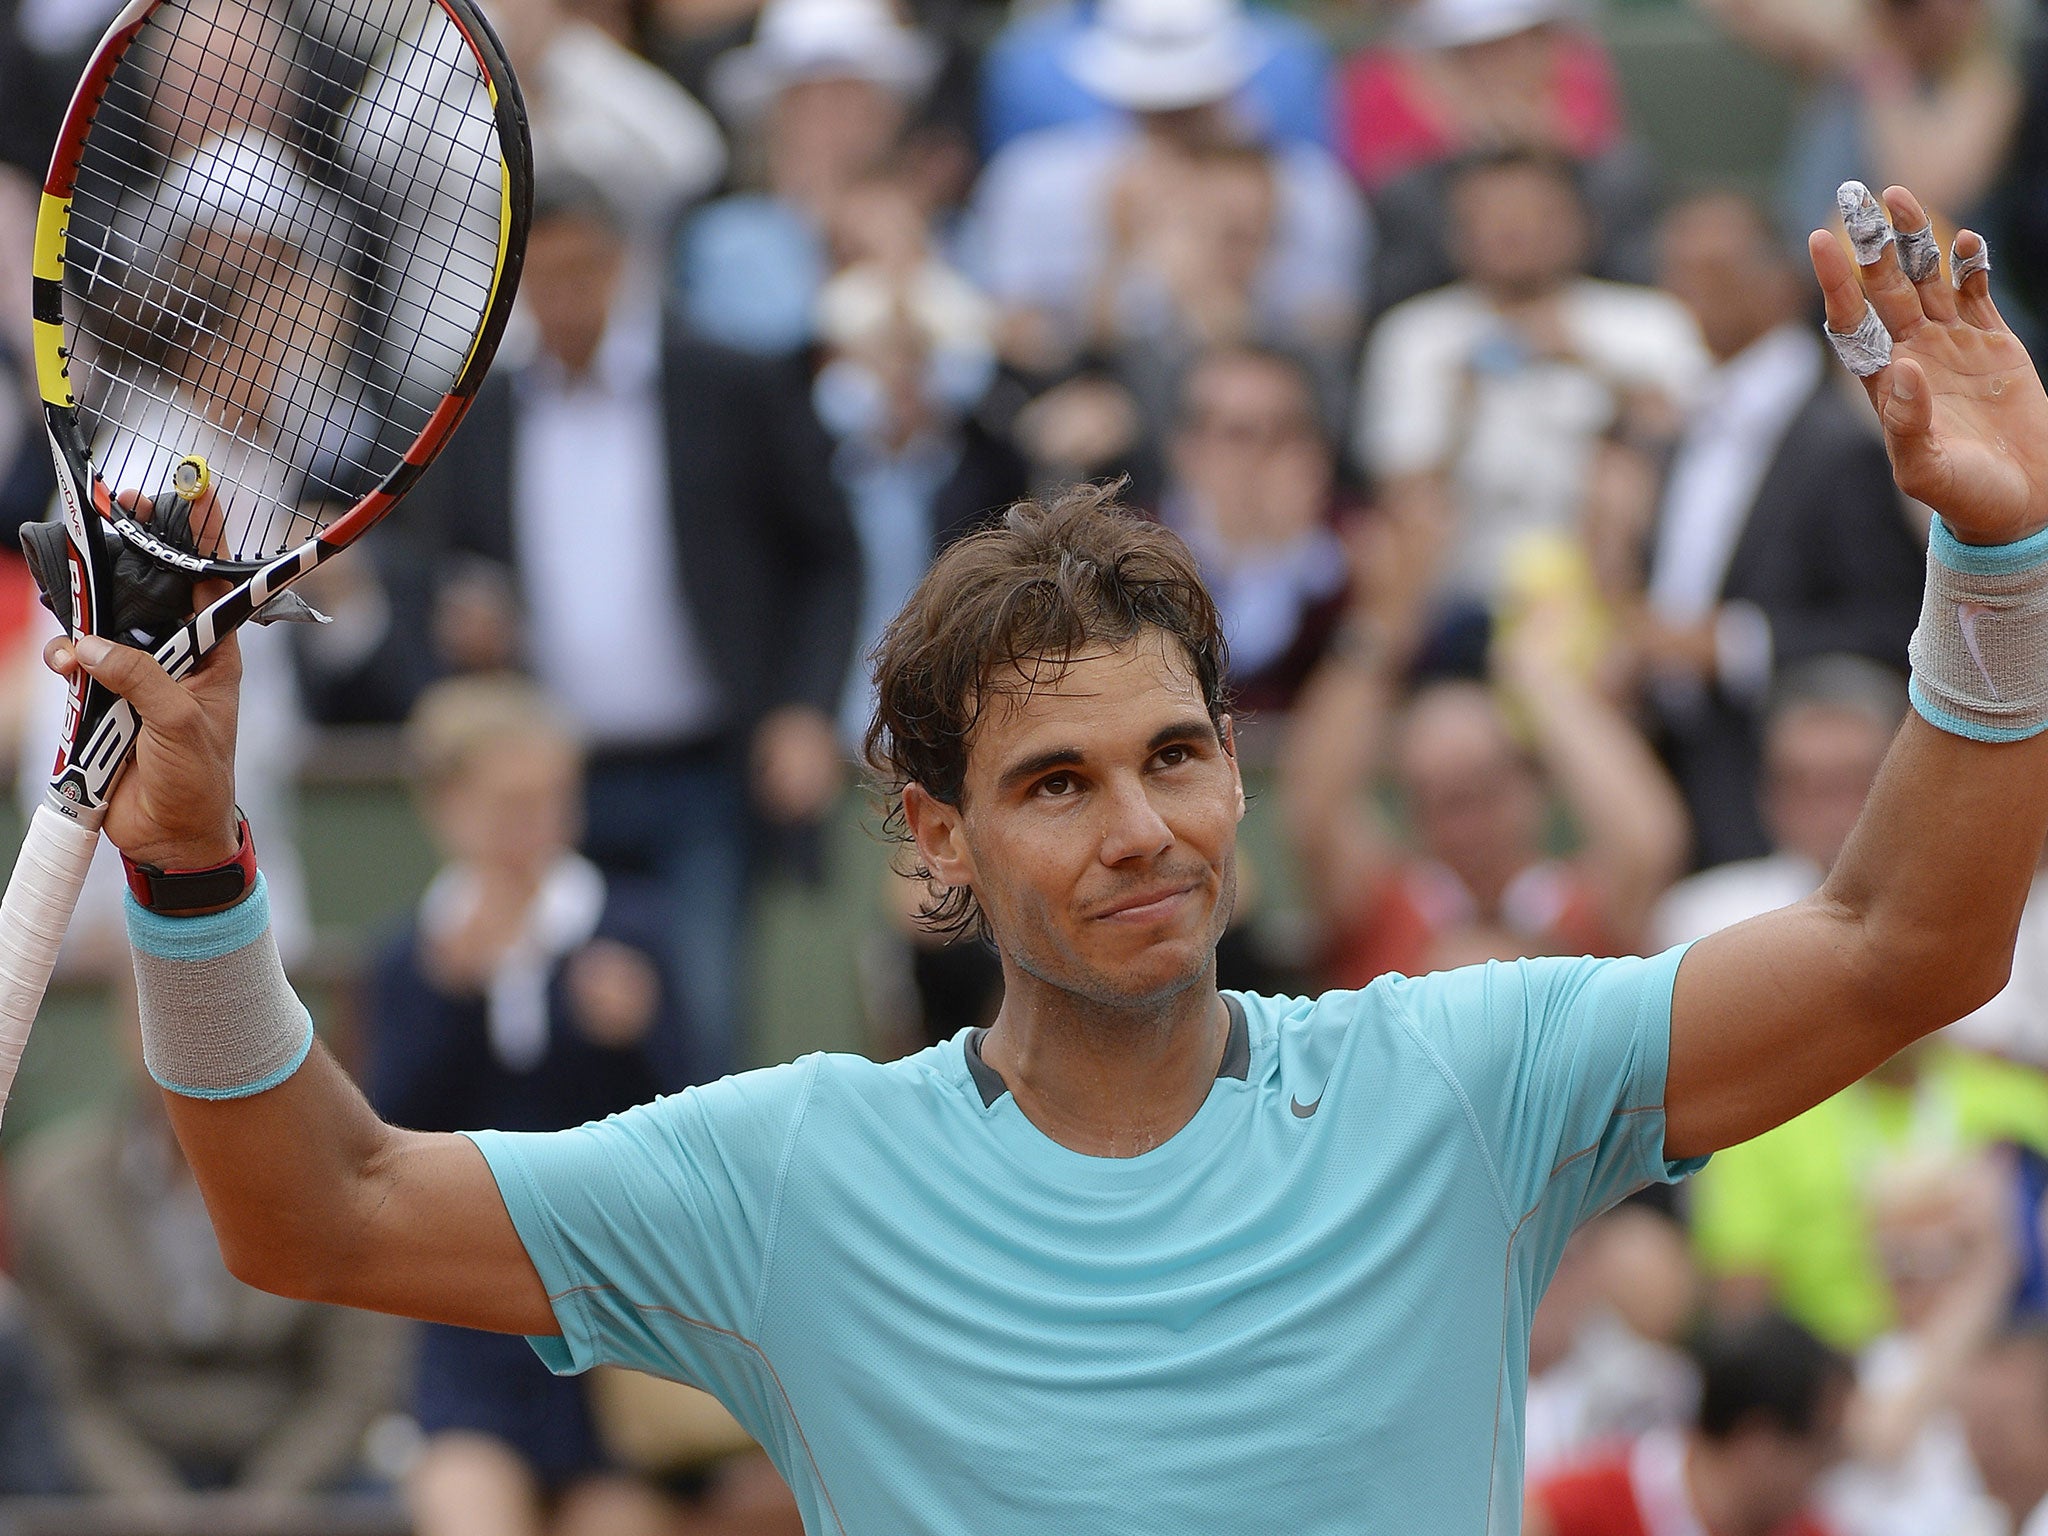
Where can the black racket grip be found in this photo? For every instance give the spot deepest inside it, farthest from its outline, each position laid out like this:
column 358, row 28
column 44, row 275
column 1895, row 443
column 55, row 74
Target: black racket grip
column 150, row 600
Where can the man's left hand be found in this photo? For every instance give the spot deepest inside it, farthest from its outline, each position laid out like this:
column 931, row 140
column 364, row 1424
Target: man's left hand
column 1965, row 418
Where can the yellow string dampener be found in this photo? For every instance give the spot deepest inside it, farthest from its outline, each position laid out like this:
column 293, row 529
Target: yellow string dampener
column 191, row 478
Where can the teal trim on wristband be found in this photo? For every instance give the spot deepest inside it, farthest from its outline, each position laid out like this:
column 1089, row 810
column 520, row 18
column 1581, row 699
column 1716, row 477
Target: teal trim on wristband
column 207, row 937
column 1986, row 559
column 1941, row 719
column 247, row 1090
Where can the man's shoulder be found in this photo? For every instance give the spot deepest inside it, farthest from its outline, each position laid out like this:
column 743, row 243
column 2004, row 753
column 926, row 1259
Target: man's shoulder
column 1441, row 319
column 832, row 1082
column 1637, row 319
column 1609, row 300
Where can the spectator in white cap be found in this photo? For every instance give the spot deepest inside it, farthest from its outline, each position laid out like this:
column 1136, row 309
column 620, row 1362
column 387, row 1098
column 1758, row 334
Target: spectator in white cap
column 1122, row 234
column 820, row 101
column 1465, row 77
column 1027, row 84
column 600, row 111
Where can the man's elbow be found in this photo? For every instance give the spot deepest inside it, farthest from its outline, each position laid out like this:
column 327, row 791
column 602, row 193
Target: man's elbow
column 268, row 1265
column 1926, row 979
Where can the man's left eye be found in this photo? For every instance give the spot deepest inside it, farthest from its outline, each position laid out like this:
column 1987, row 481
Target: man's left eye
column 1173, row 757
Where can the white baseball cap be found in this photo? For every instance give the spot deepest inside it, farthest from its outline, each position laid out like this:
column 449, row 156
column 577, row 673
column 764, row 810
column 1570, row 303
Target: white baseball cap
column 824, row 39
column 1165, row 55
column 1461, row 23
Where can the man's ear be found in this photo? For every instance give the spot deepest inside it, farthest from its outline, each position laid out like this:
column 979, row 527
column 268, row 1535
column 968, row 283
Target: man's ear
column 935, row 827
column 1226, row 729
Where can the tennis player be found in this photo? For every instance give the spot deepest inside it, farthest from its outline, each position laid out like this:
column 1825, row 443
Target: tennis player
column 1143, row 1256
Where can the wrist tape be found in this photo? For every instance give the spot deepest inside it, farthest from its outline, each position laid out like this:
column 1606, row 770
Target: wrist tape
column 1980, row 653
column 219, row 1020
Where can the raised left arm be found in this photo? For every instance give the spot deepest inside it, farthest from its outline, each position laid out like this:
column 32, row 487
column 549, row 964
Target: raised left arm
column 1915, row 925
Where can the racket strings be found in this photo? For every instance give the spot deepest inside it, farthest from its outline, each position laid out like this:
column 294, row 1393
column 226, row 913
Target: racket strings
column 284, row 242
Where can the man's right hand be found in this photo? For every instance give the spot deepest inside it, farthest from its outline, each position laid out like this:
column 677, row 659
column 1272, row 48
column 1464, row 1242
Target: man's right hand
column 175, row 805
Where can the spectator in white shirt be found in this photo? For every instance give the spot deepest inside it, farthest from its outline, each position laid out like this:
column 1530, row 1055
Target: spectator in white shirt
column 1482, row 403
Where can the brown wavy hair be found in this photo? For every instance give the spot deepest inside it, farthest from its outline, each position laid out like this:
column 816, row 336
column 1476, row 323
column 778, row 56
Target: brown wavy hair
column 1035, row 589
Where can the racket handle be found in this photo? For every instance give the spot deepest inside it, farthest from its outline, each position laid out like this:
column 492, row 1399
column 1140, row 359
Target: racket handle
column 48, row 875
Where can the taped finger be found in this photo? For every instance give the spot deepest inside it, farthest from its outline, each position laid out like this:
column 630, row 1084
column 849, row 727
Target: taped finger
column 1919, row 252
column 1866, row 349
column 1962, row 268
column 1863, row 216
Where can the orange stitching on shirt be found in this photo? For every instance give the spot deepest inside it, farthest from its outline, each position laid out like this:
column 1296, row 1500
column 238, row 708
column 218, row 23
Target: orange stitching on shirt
column 759, row 1353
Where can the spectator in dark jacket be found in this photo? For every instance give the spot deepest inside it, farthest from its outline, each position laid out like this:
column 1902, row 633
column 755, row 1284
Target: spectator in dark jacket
column 680, row 573
column 1778, row 537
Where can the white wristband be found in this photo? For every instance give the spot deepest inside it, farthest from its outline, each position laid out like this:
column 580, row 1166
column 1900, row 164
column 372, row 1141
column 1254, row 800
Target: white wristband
column 1980, row 653
column 219, row 1019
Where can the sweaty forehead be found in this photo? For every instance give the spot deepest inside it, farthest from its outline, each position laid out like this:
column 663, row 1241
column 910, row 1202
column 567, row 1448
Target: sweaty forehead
column 1101, row 694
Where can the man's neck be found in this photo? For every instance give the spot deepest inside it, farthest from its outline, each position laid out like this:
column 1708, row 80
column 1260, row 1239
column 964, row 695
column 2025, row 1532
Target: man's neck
column 1105, row 1080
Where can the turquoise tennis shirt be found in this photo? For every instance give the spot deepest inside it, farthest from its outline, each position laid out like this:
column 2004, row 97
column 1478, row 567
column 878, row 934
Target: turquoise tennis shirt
column 1308, row 1311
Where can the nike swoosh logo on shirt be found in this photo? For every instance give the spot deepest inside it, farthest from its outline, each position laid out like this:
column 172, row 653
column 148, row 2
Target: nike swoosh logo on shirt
column 1967, row 615
column 1303, row 1111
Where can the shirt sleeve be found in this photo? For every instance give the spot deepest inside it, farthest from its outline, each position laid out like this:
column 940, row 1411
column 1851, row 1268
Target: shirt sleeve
column 1563, row 1064
column 653, row 1230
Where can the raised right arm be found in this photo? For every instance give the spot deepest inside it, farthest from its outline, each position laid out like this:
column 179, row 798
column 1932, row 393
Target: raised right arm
column 310, row 1193
column 313, row 1196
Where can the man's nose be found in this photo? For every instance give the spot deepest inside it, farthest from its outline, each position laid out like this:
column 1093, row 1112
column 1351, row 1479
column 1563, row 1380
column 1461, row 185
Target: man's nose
column 1133, row 829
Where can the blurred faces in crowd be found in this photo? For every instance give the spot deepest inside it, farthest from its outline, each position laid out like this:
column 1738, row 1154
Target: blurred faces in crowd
column 1820, row 759
column 1518, row 227
column 1718, row 255
column 576, row 260
column 1475, row 796
column 1252, row 488
column 826, row 87
column 1773, row 1403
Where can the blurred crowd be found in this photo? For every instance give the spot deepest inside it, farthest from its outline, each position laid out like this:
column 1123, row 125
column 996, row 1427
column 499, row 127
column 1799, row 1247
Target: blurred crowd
column 1567, row 592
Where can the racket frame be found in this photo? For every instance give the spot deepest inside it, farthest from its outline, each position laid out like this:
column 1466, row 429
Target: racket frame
column 99, row 727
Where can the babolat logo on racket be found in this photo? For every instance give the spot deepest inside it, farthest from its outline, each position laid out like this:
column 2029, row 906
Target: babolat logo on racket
column 157, row 549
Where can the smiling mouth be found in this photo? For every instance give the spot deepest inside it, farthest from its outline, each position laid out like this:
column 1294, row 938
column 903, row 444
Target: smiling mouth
column 1144, row 906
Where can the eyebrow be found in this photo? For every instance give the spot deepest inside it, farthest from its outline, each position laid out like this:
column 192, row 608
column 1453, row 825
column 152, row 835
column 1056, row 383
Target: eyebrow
column 1193, row 728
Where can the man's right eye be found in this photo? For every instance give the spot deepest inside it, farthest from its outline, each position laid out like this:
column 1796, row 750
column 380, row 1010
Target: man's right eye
column 1057, row 784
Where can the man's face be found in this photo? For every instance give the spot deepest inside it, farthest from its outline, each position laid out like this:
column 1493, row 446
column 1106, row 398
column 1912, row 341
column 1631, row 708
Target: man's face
column 1517, row 230
column 1097, row 825
column 1715, row 259
column 825, row 133
column 573, row 266
column 1819, row 764
column 1250, row 447
column 1476, row 803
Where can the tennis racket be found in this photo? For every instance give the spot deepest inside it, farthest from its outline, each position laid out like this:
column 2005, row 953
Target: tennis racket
column 276, row 249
